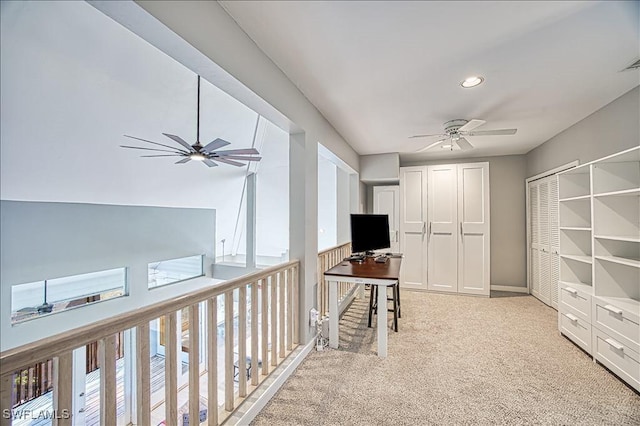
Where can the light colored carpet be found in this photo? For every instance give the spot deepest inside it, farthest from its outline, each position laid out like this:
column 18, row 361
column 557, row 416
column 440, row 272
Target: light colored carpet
column 455, row 360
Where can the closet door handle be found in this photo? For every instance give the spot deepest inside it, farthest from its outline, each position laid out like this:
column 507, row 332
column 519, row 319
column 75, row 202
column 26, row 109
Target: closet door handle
column 461, row 232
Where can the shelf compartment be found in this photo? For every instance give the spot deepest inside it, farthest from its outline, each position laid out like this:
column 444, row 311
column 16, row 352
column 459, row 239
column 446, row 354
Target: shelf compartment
column 575, row 272
column 575, row 182
column 611, row 177
column 617, row 216
column 575, row 213
column 575, row 243
column 615, row 279
column 619, row 251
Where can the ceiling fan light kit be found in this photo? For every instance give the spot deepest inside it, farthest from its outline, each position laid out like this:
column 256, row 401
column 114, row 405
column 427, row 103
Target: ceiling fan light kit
column 456, row 131
column 207, row 154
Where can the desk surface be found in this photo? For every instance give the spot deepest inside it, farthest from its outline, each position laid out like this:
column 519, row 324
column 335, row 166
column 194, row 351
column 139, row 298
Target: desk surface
column 368, row 269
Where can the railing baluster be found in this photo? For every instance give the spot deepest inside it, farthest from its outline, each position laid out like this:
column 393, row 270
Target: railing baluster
column 107, row 360
column 194, row 364
column 143, row 375
column 6, row 390
column 242, row 342
column 289, row 278
column 264, row 294
column 281, row 305
column 212, row 361
column 254, row 333
column 274, row 320
column 228, row 351
column 296, row 311
column 63, row 388
column 171, row 369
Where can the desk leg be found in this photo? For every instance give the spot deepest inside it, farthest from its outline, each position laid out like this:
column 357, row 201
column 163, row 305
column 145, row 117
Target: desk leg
column 334, row 315
column 382, row 321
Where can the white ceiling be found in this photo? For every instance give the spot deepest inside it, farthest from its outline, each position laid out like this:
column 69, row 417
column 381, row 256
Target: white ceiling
column 381, row 71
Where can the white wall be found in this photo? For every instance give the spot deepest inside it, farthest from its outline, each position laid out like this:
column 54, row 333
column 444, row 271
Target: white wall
column 41, row 241
column 380, row 168
column 327, row 204
column 613, row 128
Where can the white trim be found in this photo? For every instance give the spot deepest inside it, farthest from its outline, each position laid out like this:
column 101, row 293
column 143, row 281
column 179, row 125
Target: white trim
column 557, row 170
column 509, row 288
column 263, row 399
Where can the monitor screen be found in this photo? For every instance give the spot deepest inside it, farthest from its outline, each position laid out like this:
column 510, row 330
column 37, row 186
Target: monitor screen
column 369, row 232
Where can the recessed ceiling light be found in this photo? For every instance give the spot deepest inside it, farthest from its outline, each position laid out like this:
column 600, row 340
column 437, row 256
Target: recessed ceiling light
column 472, row 81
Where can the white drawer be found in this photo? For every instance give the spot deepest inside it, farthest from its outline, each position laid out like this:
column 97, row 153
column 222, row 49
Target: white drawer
column 578, row 301
column 620, row 359
column 577, row 330
column 617, row 322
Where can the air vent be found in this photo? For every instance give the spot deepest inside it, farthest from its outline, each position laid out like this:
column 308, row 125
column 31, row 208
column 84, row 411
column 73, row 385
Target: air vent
column 633, row 66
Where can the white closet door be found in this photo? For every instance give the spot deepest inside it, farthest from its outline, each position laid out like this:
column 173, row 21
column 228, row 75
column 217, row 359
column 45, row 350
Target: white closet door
column 443, row 228
column 413, row 188
column 534, row 249
column 554, row 242
column 473, row 219
column 545, row 259
column 386, row 200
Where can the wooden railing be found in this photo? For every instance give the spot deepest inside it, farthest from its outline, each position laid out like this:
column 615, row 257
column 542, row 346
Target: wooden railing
column 272, row 326
column 327, row 259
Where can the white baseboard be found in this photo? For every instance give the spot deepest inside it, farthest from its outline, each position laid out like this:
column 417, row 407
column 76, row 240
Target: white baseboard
column 509, row 288
column 263, row 399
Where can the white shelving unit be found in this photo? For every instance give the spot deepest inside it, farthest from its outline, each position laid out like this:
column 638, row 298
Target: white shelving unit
column 599, row 307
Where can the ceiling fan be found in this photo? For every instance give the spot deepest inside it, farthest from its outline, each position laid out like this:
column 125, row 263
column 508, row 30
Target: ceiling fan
column 208, row 153
column 455, row 132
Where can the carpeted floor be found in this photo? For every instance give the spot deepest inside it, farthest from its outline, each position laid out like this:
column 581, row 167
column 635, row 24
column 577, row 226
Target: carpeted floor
column 455, row 360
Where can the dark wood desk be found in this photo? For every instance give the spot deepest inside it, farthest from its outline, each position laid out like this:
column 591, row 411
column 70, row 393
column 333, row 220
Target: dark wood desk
column 367, row 272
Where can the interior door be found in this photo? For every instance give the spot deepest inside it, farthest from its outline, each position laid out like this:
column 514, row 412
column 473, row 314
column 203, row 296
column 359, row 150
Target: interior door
column 554, row 242
column 473, row 218
column 386, row 200
column 442, row 232
column 534, row 232
column 413, row 189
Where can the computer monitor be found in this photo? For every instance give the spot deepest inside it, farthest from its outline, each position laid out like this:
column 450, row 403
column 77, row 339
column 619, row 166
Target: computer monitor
column 369, row 232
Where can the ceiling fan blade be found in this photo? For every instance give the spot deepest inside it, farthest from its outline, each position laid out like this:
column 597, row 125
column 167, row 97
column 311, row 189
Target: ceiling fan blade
column 492, row 132
column 247, row 151
column 209, row 163
column 150, row 149
column 184, row 160
column 426, row 136
column 163, row 155
column 155, row 143
column 471, row 125
column 179, row 140
column 464, row 144
column 436, row 143
column 216, row 144
column 225, row 160
column 238, row 157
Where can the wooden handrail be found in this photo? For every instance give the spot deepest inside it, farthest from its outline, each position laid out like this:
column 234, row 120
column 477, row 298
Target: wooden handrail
column 14, row 359
column 325, row 251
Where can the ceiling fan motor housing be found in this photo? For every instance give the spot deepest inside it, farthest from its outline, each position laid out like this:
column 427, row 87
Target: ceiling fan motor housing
column 452, row 126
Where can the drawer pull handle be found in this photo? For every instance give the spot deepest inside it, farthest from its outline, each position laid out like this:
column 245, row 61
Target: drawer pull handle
column 572, row 291
column 613, row 309
column 571, row 317
column 614, row 344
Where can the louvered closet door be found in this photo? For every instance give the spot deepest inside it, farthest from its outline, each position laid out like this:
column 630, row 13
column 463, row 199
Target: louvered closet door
column 545, row 269
column 442, row 232
column 534, row 232
column 554, row 242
